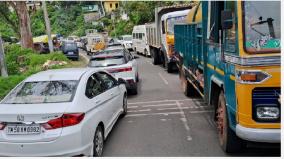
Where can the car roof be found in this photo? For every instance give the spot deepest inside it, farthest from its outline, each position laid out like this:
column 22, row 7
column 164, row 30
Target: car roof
column 58, row 74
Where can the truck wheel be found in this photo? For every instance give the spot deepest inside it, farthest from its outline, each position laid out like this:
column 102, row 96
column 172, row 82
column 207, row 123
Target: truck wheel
column 135, row 51
column 228, row 140
column 187, row 88
column 155, row 58
column 145, row 53
column 169, row 67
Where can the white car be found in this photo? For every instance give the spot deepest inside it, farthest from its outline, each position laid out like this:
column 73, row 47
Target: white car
column 126, row 42
column 64, row 112
column 121, row 64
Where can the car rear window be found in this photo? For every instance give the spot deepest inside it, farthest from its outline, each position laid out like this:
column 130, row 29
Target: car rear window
column 70, row 46
column 42, row 92
column 106, row 61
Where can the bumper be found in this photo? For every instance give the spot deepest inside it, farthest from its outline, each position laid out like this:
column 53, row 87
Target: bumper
column 130, row 84
column 72, row 56
column 259, row 135
column 68, row 144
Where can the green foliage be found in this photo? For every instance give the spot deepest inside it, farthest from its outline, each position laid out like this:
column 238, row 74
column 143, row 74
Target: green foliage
column 8, row 23
column 122, row 28
column 8, row 83
column 37, row 23
column 32, row 62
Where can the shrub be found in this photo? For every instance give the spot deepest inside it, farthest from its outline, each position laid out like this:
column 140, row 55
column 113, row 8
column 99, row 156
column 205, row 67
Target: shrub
column 8, row 83
column 32, row 62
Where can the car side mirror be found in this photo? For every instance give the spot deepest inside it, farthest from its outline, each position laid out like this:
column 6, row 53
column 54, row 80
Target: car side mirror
column 121, row 81
column 226, row 19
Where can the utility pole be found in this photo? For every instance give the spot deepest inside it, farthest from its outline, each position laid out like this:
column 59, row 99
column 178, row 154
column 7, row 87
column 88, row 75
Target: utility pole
column 47, row 25
column 3, row 68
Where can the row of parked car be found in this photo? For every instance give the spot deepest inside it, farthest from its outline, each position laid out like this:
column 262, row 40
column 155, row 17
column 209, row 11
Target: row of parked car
column 68, row 112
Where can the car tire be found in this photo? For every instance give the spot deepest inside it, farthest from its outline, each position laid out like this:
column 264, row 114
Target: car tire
column 124, row 106
column 134, row 91
column 98, row 142
column 228, row 140
column 137, row 78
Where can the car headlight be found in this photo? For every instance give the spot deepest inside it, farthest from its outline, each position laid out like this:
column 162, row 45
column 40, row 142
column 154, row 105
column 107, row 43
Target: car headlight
column 267, row 113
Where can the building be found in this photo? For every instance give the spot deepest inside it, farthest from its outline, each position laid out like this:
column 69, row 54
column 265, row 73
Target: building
column 110, row 6
column 91, row 13
column 33, row 5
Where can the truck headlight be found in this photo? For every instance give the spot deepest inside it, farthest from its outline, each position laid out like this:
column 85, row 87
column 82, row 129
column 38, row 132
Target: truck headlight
column 267, row 113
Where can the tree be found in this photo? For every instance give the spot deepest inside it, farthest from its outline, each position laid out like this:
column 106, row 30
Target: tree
column 3, row 68
column 9, row 21
column 24, row 23
column 47, row 25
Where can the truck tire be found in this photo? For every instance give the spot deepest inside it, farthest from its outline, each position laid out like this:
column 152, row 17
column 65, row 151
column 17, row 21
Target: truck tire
column 228, row 140
column 187, row 88
column 155, row 58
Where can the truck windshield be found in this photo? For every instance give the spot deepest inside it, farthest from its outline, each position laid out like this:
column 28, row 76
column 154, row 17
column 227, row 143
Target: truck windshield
column 172, row 21
column 262, row 26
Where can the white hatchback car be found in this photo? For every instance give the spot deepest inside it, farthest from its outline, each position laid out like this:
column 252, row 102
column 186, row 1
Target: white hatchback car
column 121, row 64
column 64, row 112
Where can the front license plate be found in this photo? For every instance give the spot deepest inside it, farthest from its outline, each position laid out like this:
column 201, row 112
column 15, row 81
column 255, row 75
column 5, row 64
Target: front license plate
column 22, row 129
column 70, row 53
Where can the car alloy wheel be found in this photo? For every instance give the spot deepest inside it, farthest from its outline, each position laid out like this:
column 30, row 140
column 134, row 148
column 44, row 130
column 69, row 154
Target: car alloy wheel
column 98, row 142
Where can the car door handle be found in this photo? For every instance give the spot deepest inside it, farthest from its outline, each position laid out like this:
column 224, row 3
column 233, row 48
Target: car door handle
column 111, row 94
column 98, row 102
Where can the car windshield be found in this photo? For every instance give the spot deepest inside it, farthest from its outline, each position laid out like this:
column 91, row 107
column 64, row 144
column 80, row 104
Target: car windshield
column 127, row 38
column 262, row 26
column 107, row 61
column 42, row 92
column 70, row 46
column 172, row 21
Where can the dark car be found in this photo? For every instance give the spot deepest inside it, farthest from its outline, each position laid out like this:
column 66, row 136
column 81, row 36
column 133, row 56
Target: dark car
column 70, row 50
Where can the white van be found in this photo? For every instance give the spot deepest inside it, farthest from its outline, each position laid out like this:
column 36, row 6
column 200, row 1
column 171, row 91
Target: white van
column 139, row 40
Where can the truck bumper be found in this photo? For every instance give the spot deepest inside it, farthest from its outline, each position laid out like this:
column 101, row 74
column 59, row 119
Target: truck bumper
column 259, row 135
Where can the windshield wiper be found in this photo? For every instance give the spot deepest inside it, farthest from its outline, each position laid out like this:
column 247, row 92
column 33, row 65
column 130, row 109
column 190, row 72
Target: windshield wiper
column 270, row 26
column 111, row 64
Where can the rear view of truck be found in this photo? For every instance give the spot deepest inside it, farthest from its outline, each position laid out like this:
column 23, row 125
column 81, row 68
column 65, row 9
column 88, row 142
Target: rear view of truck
column 161, row 37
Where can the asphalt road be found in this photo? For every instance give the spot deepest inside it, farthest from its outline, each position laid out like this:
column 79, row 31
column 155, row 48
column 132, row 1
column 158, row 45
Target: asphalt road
column 161, row 121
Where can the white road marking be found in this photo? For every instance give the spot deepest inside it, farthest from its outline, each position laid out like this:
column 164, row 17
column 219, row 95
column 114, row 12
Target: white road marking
column 184, row 121
column 160, row 101
column 189, row 107
column 143, row 110
column 150, row 62
column 189, row 138
column 165, row 81
column 158, row 105
column 132, row 107
column 153, row 105
column 166, row 114
column 163, row 119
